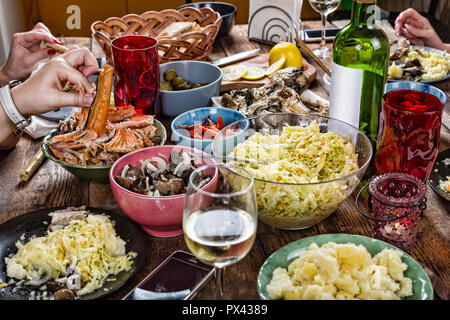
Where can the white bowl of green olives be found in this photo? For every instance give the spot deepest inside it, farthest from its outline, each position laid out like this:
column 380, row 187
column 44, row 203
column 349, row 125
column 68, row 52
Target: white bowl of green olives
column 187, row 85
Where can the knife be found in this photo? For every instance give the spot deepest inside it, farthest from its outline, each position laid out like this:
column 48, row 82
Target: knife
column 438, row 285
column 236, row 57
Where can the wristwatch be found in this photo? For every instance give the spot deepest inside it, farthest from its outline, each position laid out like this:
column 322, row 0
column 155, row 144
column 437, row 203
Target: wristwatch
column 7, row 102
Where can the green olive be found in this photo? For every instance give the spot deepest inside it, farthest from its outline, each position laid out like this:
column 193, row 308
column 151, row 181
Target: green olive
column 188, row 85
column 180, row 87
column 197, row 85
column 163, row 85
column 170, row 75
column 177, row 81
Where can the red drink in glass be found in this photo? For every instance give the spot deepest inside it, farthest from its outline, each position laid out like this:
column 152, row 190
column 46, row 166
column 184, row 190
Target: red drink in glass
column 408, row 140
column 136, row 72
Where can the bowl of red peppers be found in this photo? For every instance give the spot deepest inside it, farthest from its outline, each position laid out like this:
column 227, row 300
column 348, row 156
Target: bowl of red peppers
column 197, row 128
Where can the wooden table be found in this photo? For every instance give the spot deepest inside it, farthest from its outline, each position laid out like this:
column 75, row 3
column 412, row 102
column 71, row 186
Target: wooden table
column 52, row 186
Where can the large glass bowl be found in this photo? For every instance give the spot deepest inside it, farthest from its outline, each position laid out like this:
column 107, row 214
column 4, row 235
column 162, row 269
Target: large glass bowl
column 296, row 206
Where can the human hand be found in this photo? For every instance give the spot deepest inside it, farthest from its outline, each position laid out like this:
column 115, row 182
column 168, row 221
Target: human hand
column 43, row 91
column 417, row 29
column 26, row 52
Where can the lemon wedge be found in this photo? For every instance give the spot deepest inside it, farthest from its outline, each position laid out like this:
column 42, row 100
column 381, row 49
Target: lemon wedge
column 277, row 65
column 234, row 72
column 254, row 73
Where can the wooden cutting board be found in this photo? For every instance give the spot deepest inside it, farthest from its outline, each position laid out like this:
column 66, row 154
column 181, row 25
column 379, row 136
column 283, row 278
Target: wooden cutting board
column 262, row 61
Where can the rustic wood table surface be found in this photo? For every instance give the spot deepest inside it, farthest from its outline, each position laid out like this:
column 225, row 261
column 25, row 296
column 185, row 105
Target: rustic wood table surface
column 52, row 186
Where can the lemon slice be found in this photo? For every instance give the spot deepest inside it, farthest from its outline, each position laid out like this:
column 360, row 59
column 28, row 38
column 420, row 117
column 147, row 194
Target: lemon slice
column 277, row 65
column 234, row 72
column 254, row 73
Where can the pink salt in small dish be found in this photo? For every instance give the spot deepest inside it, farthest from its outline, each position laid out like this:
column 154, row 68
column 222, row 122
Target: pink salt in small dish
column 159, row 215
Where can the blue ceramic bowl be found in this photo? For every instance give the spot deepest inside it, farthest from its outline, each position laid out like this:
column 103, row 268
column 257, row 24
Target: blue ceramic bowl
column 181, row 137
column 174, row 103
column 416, row 86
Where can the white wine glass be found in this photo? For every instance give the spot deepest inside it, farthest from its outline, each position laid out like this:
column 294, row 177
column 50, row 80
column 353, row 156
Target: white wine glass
column 220, row 216
column 324, row 7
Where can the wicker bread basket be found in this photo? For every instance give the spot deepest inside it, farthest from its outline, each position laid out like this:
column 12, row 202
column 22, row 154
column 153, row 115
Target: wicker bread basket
column 193, row 45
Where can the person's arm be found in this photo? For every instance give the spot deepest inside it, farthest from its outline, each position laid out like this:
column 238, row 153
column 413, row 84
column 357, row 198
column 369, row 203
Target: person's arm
column 7, row 138
column 25, row 52
column 418, row 30
column 44, row 92
column 3, row 77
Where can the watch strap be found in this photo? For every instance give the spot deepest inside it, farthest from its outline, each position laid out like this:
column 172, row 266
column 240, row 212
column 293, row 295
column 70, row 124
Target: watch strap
column 19, row 121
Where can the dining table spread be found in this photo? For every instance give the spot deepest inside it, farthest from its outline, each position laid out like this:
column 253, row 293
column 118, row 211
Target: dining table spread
column 52, row 186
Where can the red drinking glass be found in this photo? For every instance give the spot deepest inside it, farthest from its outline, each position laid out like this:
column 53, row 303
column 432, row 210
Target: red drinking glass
column 136, row 72
column 408, row 139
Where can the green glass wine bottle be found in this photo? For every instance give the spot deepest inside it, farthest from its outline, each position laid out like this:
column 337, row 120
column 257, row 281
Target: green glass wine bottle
column 358, row 73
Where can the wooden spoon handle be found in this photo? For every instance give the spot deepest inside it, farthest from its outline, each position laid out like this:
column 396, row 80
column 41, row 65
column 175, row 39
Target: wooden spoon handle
column 304, row 47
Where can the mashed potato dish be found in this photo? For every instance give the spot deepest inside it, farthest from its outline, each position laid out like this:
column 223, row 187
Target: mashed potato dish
column 342, row 272
column 296, row 159
column 79, row 256
column 444, row 185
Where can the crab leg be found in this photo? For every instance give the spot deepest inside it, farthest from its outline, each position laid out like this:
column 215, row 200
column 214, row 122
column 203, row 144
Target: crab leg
column 99, row 109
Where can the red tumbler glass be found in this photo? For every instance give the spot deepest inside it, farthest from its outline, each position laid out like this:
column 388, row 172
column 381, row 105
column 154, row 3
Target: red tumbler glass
column 136, row 72
column 408, row 140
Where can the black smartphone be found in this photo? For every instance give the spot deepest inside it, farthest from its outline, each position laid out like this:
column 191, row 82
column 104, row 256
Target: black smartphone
column 179, row 277
column 313, row 35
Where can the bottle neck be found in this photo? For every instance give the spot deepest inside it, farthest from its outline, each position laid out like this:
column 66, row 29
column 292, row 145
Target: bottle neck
column 363, row 11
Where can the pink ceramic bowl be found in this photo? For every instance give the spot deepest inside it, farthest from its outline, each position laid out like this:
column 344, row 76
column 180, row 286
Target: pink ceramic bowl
column 158, row 216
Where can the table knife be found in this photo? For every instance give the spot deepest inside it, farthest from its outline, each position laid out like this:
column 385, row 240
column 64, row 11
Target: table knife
column 236, row 57
column 438, row 285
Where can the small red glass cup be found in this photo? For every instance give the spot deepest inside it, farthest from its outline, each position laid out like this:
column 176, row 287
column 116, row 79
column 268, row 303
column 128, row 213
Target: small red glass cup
column 397, row 203
column 136, row 72
column 410, row 124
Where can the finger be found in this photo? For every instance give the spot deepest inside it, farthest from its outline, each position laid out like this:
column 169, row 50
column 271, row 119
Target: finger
column 72, row 99
column 83, row 60
column 416, row 32
column 39, row 55
column 74, row 76
column 31, row 38
column 41, row 26
column 412, row 39
column 47, row 31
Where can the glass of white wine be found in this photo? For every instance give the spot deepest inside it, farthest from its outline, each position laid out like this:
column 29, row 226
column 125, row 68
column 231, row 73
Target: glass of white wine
column 220, row 216
column 324, row 7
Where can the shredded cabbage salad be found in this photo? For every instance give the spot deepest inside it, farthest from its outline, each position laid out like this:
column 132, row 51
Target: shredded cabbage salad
column 90, row 245
column 299, row 155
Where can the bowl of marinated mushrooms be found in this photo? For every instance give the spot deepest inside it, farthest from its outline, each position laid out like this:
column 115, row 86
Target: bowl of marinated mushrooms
column 149, row 185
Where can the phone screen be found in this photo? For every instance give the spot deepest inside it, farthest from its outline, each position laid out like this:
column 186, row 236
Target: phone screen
column 180, row 276
column 317, row 33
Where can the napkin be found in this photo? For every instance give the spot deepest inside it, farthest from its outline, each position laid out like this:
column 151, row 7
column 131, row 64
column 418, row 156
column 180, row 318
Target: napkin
column 39, row 127
column 274, row 21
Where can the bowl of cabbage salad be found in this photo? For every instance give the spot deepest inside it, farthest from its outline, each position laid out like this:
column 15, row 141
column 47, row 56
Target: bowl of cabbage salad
column 304, row 165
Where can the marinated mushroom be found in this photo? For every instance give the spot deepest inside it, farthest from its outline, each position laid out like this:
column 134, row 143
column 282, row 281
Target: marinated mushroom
column 159, row 176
